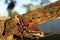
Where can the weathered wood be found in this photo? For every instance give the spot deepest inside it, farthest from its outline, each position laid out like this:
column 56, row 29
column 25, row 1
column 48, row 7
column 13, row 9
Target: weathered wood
column 11, row 27
column 1, row 27
column 44, row 14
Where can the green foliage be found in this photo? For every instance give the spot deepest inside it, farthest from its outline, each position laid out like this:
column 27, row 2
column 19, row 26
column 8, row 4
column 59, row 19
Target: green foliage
column 28, row 7
column 6, row 1
column 44, row 2
column 12, row 14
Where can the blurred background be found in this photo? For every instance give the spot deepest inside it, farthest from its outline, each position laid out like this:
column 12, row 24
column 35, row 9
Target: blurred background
column 21, row 6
